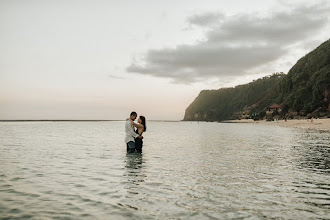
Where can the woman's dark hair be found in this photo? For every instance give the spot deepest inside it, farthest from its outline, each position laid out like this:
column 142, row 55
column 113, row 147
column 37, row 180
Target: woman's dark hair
column 143, row 122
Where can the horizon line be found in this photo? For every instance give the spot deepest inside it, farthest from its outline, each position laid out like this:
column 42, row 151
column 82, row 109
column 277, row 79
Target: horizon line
column 68, row 120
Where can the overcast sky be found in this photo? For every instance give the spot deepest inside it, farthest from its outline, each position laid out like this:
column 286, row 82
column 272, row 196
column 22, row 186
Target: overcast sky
column 101, row 59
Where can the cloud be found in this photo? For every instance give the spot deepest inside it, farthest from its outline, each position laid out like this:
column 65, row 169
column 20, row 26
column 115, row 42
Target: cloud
column 206, row 19
column 234, row 45
column 116, row 77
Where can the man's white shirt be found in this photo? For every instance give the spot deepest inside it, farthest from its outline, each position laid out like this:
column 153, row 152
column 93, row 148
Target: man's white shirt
column 130, row 133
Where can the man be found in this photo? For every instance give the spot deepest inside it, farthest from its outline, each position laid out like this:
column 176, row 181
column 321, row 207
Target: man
column 130, row 134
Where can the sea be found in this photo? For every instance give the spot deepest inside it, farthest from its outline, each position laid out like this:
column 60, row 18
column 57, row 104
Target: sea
column 188, row 170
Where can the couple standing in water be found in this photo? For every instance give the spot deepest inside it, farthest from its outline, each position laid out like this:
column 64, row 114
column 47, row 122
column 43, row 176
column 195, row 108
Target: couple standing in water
column 134, row 137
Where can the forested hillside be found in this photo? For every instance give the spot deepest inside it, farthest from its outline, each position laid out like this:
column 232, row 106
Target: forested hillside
column 304, row 90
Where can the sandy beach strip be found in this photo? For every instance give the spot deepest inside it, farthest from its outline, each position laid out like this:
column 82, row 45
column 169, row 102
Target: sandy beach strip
column 318, row 124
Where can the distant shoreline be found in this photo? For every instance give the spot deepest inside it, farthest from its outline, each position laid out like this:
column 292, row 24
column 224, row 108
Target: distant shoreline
column 79, row 120
column 53, row 120
column 318, row 124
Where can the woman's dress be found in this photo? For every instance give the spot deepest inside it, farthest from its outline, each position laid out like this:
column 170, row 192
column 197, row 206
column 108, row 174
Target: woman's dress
column 138, row 143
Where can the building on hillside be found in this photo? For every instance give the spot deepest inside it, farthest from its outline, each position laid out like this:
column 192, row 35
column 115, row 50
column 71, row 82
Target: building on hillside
column 273, row 112
column 274, row 107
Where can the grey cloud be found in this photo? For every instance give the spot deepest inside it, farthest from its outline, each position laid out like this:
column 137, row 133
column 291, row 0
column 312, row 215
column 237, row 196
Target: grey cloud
column 206, row 19
column 281, row 28
column 234, row 45
column 189, row 63
column 115, row 77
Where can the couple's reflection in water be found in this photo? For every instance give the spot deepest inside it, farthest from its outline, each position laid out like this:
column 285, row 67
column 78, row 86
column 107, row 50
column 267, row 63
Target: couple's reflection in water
column 134, row 177
column 134, row 172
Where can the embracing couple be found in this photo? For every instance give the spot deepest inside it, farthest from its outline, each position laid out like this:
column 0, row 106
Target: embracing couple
column 134, row 137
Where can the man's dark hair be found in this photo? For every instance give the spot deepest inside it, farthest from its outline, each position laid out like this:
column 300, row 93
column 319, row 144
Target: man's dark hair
column 133, row 113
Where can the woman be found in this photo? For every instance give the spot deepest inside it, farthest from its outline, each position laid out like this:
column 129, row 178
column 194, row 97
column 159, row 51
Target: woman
column 141, row 127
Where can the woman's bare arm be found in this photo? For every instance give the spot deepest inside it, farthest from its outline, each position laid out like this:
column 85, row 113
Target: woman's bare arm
column 135, row 124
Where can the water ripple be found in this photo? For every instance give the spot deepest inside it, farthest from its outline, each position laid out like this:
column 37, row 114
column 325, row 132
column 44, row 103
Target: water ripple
column 187, row 171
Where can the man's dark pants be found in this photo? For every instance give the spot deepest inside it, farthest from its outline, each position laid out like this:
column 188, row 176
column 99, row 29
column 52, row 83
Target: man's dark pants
column 130, row 147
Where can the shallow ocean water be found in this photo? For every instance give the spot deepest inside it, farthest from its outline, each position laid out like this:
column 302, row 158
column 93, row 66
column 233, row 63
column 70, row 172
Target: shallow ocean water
column 188, row 170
